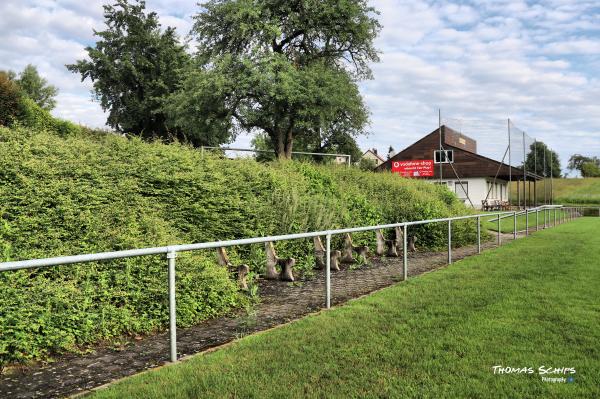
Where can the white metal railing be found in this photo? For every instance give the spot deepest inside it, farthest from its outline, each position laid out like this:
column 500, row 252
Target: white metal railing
column 347, row 157
column 171, row 251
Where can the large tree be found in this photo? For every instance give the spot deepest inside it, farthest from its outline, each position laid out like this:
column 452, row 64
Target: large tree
column 134, row 66
column 587, row 166
column 285, row 68
column 37, row 88
column 550, row 165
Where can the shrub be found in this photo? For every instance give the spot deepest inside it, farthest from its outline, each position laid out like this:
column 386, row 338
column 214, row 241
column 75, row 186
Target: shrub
column 93, row 192
column 35, row 117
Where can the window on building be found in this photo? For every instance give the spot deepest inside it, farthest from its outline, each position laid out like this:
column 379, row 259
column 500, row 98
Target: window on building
column 461, row 189
column 443, row 156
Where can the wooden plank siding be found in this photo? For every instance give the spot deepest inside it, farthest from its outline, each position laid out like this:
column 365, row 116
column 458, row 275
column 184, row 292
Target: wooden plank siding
column 467, row 162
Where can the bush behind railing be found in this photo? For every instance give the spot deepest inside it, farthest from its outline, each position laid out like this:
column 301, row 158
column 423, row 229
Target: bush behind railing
column 88, row 192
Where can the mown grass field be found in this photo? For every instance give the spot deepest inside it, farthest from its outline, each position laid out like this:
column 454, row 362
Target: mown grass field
column 531, row 303
column 568, row 191
column 507, row 223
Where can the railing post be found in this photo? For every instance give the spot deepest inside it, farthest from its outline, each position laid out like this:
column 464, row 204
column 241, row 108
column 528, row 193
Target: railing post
column 404, row 254
column 449, row 242
column 515, row 225
column 537, row 220
column 545, row 226
column 172, row 307
column 526, row 222
column 554, row 217
column 478, row 234
column 328, row 274
column 499, row 240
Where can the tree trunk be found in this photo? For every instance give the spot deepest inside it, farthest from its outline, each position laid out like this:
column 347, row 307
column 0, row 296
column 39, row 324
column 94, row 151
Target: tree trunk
column 284, row 140
column 289, row 140
column 279, row 145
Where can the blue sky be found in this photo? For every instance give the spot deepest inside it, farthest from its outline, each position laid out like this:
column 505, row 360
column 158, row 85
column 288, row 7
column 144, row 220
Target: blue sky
column 480, row 62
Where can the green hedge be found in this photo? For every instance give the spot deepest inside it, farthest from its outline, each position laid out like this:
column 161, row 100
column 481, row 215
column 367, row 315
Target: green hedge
column 82, row 193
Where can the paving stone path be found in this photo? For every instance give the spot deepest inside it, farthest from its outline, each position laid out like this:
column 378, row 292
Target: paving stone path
column 280, row 302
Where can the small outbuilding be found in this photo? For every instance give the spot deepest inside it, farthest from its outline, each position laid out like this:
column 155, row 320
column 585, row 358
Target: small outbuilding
column 479, row 181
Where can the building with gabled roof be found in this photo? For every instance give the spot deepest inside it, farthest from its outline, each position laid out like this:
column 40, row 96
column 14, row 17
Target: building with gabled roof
column 476, row 179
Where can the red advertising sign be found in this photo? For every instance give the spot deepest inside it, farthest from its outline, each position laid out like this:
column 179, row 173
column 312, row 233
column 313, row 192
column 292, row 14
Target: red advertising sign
column 417, row 168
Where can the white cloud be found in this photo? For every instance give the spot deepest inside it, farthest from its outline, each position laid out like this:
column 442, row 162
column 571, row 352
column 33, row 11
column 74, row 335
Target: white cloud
column 581, row 46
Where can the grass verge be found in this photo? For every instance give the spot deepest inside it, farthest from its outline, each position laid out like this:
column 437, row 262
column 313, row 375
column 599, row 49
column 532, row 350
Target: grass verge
column 531, row 303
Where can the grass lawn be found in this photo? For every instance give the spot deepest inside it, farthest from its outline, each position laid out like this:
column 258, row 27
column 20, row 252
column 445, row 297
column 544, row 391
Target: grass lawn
column 532, row 303
column 507, row 223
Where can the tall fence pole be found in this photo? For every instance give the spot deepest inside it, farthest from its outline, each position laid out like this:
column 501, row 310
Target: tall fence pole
column 524, row 173
column 526, row 221
column 328, row 273
column 478, row 234
column 515, row 225
column 544, row 174
column 440, row 138
column 537, row 219
column 535, row 200
column 509, row 164
column 449, row 241
column 172, row 306
column 404, row 254
column 551, row 180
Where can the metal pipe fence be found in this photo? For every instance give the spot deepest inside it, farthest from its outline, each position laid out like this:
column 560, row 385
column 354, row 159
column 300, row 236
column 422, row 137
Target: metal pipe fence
column 171, row 252
column 347, row 157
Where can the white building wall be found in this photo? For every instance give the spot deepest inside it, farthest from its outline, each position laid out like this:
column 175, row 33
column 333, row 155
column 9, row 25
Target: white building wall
column 478, row 189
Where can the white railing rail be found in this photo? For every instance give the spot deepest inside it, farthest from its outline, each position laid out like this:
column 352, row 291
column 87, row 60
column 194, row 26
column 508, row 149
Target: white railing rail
column 568, row 213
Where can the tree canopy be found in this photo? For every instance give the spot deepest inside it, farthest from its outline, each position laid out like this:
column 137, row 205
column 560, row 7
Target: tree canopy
column 134, row 66
column 37, row 88
column 536, row 163
column 288, row 69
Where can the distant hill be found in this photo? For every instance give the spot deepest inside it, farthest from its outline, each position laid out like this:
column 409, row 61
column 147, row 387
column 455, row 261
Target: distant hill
column 568, row 191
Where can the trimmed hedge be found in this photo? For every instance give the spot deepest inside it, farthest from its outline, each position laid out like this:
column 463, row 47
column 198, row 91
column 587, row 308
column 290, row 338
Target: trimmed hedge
column 83, row 193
